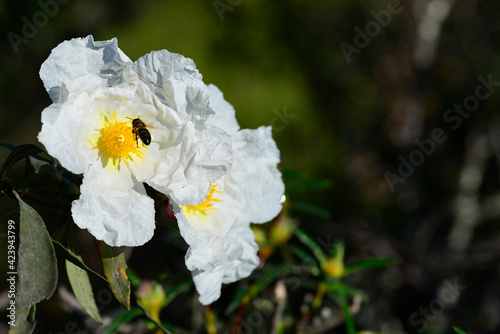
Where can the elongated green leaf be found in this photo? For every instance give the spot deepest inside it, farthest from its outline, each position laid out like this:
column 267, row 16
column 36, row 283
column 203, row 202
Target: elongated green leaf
column 122, row 319
column 349, row 322
column 312, row 245
column 347, row 290
column 458, row 330
column 19, row 153
column 80, row 283
column 371, row 263
column 70, row 256
column 113, row 262
column 36, row 267
column 306, row 259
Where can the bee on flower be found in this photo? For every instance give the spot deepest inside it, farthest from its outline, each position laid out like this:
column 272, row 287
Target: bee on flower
column 97, row 94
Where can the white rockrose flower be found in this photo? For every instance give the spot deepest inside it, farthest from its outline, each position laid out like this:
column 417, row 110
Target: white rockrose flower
column 222, row 245
column 92, row 128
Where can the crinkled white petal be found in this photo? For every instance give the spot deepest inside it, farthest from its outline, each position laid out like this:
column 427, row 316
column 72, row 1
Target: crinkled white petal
column 83, row 65
column 208, row 285
column 58, row 137
column 176, row 82
column 254, row 179
column 217, row 259
column 196, row 159
column 114, row 208
column 77, row 75
column 225, row 115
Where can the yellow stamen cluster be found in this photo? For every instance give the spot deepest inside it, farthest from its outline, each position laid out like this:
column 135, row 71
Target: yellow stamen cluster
column 116, row 141
column 208, row 204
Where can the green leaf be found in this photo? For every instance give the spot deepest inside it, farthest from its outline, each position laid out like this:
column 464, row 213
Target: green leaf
column 459, row 331
column 312, row 245
column 337, row 285
column 80, row 283
column 115, row 270
column 341, row 298
column 311, row 209
column 19, row 153
column 306, row 259
column 122, row 319
column 73, row 258
column 371, row 263
column 349, row 322
column 36, row 267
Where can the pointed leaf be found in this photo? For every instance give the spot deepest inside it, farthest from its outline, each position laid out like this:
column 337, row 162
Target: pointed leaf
column 349, row 322
column 459, row 331
column 36, row 267
column 19, row 153
column 306, row 258
column 347, row 290
column 370, row 263
column 80, row 283
column 70, row 256
column 312, row 245
column 113, row 262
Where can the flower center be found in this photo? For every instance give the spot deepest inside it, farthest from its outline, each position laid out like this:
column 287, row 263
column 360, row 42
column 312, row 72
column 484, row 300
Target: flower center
column 203, row 208
column 116, row 141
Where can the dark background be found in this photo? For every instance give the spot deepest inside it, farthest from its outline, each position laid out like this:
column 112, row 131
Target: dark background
column 349, row 123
